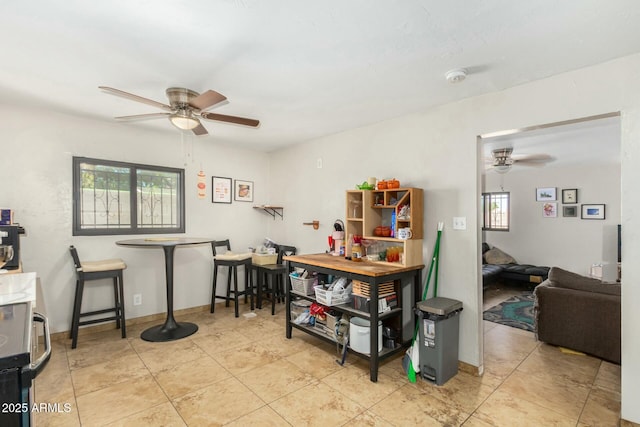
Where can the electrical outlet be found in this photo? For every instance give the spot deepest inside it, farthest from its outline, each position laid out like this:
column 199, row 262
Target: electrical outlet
column 137, row 299
column 459, row 223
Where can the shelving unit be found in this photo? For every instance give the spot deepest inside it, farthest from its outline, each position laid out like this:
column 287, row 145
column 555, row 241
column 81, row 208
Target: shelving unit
column 407, row 282
column 271, row 210
column 368, row 209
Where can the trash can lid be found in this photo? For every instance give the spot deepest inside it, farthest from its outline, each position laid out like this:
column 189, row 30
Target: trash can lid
column 440, row 305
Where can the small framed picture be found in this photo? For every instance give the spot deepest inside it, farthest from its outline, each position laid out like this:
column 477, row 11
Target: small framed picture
column 592, row 212
column 570, row 195
column 547, row 194
column 550, row 210
column 570, row 211
column 243, row 191
column 221, row 189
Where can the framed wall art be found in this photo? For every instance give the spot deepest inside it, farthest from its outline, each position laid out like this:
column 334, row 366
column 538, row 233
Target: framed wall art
column 550, row 210
column 592, row 212
column 570, row 195
column 243, row 191
column 546, row 194
column 570, row 211
column 220, row 189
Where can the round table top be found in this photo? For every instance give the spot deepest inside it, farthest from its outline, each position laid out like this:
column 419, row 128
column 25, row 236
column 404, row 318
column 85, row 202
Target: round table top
column 165, row 241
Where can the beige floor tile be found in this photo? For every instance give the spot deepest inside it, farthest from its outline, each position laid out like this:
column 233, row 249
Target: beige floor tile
column 316, row 405
column 101, row 375
column 246, row 358
column 112, row 403
column 263, row 417
column 557, row 395
column 57, row 419
column 284, row 346
column 503, row 408
column 318, row 362
column 350, row 379
column 162, row 415
column 88, row 353
column 368, row 419
column 543, row 364
column 276, row 379
column 464, row 390
column 259, row 329
column 474, row 421
column 600, row 410
column 409, row 406
column 191, row 376
column 168, row 355
column 217, row 404
column 220, row 341
column 54, row 387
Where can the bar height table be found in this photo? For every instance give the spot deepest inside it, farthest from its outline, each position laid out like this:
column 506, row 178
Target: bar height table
column 170, row 330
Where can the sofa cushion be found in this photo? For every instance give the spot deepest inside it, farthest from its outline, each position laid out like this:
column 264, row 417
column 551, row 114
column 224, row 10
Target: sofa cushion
column 566, row 279
column 496, row 256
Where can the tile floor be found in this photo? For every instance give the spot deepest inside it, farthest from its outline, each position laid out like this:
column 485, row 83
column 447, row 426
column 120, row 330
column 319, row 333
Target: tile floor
column 243, row 371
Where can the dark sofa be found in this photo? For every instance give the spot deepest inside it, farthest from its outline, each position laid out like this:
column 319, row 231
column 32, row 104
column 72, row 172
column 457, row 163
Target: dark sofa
column 511, row 271
column 579, row 313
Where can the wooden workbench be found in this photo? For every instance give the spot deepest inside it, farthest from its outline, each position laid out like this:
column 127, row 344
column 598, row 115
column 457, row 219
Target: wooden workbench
column 407, row 282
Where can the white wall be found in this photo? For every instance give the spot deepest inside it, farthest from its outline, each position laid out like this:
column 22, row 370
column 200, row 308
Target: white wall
column 438, row 151
column 36, row 171
column 571, row 243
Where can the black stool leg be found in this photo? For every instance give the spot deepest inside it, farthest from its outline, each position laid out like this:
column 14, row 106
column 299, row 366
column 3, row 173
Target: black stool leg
column 247, row 283
column 121, row 306
column 76, row 315
column 116, row 300
column 229, row 272
column 235, row 289
column 213, row 291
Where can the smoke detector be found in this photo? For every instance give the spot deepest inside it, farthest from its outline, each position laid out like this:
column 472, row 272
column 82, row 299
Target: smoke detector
column 456, row 76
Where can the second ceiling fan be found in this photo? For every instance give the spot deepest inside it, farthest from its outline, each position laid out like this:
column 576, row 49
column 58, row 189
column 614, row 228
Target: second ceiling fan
column 184, row 110
column 502, row 159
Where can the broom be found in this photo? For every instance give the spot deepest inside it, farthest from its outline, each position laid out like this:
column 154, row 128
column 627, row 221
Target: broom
column 412, row 357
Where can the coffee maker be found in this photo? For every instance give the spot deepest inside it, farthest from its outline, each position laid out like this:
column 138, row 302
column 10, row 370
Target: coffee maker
column 10, row 235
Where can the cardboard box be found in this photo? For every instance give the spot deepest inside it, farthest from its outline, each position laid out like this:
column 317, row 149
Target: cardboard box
column 264, row 259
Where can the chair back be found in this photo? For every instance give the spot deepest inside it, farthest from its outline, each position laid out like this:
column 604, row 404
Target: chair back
column 74, row 255
column 220, row 243
column 284, row 250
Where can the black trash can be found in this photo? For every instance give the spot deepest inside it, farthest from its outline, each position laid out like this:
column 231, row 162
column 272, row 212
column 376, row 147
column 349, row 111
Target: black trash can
column 439, row 324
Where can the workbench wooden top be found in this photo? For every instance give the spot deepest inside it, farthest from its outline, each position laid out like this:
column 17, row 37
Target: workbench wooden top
column 364, row 267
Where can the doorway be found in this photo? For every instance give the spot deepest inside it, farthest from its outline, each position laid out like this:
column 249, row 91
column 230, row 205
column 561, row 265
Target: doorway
column 581, row 157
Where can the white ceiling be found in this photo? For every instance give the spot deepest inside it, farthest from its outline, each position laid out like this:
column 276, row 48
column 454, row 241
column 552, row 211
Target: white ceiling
column 304, row 69
column 587, row 142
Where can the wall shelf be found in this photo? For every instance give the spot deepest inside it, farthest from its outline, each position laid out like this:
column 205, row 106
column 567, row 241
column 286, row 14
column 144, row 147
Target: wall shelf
column 271, row 210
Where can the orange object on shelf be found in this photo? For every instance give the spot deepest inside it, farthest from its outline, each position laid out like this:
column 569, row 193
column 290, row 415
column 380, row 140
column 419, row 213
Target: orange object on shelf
column 382, row 185
column 393, row 183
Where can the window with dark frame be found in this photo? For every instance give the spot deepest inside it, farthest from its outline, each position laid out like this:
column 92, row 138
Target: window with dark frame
column 495, row 211
column 111, row 198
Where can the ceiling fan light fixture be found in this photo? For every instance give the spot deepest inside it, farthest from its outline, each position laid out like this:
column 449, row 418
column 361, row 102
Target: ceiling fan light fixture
column 502, row 168
column 184, row 121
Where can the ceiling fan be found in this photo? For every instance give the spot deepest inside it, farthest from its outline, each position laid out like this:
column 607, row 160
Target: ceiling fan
column 184, row 109
column 502, row 159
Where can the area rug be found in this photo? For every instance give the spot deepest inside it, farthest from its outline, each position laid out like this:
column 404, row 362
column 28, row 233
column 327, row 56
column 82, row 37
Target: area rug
column 516, row 312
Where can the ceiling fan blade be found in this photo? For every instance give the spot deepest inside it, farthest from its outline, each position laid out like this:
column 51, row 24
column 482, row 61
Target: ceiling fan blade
column 143, row 116
column 207, row 99
column 133, row 97
column 230, row 119
column 200, row 130
column 531, row 157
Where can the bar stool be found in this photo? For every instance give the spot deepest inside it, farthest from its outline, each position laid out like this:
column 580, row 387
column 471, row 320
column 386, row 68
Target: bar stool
column 272, row 277
column 232, row 262
column 94, row 270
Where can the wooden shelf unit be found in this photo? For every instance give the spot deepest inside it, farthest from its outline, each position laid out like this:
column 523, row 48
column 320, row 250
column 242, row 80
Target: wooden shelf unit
column 368, row 209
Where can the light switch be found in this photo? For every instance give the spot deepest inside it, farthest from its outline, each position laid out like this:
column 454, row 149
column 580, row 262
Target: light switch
column 459, row 223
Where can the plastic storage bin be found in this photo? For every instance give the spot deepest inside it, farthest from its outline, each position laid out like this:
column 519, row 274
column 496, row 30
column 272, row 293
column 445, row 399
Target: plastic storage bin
column 303, row 286
column 439, row 323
